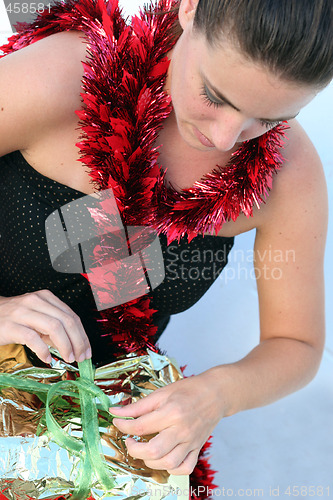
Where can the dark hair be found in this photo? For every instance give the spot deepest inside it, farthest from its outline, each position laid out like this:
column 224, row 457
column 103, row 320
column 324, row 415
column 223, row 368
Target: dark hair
column 293, row 38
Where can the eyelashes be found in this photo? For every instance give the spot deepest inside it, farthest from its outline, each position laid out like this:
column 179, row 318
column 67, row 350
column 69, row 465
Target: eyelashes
column 209, row 101
column 269, row 124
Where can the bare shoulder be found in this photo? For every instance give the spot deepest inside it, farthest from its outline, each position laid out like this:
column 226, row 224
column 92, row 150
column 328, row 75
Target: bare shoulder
column 40, row 88
column 299, row 189
column 302, row 163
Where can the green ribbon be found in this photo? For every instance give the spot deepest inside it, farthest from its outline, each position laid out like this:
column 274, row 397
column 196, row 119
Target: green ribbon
column 89, row 450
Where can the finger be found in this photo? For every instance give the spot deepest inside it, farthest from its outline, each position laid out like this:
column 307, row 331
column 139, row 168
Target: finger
column 156, row 448
column 47, row 303
column 69, row 313
column 48, row 296
column 141, row 407
column 47, row 340
column 176, row 460
column 50, row 327
column 187, row 466
column 149, row 423
column 30, row 338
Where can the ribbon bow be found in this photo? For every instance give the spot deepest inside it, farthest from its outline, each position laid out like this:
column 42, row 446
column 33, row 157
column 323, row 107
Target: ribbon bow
column 89, row 450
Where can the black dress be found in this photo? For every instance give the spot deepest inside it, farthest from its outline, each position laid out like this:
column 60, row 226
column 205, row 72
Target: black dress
column 28, row 198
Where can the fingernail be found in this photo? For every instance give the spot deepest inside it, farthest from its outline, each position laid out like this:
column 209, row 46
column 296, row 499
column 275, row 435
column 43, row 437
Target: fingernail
column 113, row 409
column 49, row 359
column 71, row 358
column 82, row 358
column 88, row 353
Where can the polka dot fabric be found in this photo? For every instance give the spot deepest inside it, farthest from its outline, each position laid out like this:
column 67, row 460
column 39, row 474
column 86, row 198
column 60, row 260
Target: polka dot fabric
column 28, row 198
column 190, row 269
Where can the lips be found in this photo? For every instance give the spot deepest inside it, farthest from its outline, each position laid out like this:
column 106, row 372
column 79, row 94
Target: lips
column 203, row 139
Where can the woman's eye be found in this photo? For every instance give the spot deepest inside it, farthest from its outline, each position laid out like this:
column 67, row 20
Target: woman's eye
column 210, row 101
column 208, row 98
column 269, row 125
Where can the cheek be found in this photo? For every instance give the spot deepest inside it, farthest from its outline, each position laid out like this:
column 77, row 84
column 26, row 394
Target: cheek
column 187, row 101
column 190, row 104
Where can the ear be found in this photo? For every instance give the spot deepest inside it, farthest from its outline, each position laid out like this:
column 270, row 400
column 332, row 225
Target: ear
column 187, row 10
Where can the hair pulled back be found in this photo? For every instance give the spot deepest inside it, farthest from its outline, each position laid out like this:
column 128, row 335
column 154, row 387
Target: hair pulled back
column 293, row 38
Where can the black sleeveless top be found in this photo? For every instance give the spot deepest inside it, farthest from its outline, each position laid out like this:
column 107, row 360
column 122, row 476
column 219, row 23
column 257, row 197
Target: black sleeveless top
column 27, row 198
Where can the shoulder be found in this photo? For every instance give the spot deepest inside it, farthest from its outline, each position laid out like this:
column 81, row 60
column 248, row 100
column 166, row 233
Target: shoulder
column 41, row 83
column 302, row 163
column 47, row 68
column 299, row 188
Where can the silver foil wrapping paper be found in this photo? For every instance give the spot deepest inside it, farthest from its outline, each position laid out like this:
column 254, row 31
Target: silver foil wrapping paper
column 33, row 466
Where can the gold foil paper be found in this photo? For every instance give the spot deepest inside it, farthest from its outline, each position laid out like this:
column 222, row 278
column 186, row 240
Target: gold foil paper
column 33, row 466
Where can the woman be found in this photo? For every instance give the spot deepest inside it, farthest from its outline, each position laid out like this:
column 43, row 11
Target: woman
column 237, row 70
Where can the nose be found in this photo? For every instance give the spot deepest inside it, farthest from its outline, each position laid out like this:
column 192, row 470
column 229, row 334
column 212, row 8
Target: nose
column 226, row 130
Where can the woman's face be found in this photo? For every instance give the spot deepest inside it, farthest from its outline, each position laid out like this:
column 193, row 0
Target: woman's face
column 220, row 98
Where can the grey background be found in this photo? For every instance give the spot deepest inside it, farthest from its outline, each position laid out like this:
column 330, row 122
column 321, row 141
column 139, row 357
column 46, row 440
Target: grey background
column 24, row 11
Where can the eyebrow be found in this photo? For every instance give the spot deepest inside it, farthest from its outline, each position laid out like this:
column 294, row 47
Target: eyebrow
column 225, row 100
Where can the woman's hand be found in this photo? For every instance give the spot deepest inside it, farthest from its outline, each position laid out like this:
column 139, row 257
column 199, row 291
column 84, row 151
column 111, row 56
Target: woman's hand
column 38, row 320
column 182, row 415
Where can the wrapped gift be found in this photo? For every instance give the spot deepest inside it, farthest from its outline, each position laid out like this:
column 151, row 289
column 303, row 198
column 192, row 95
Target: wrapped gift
column 56, row 432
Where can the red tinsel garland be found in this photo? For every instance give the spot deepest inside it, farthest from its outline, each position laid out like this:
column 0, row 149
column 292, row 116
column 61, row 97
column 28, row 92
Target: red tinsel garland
column 124, row 111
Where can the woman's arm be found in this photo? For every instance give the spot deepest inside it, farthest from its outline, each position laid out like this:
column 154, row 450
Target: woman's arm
column 39, row 93
column 289, row 250
column 289, row 259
